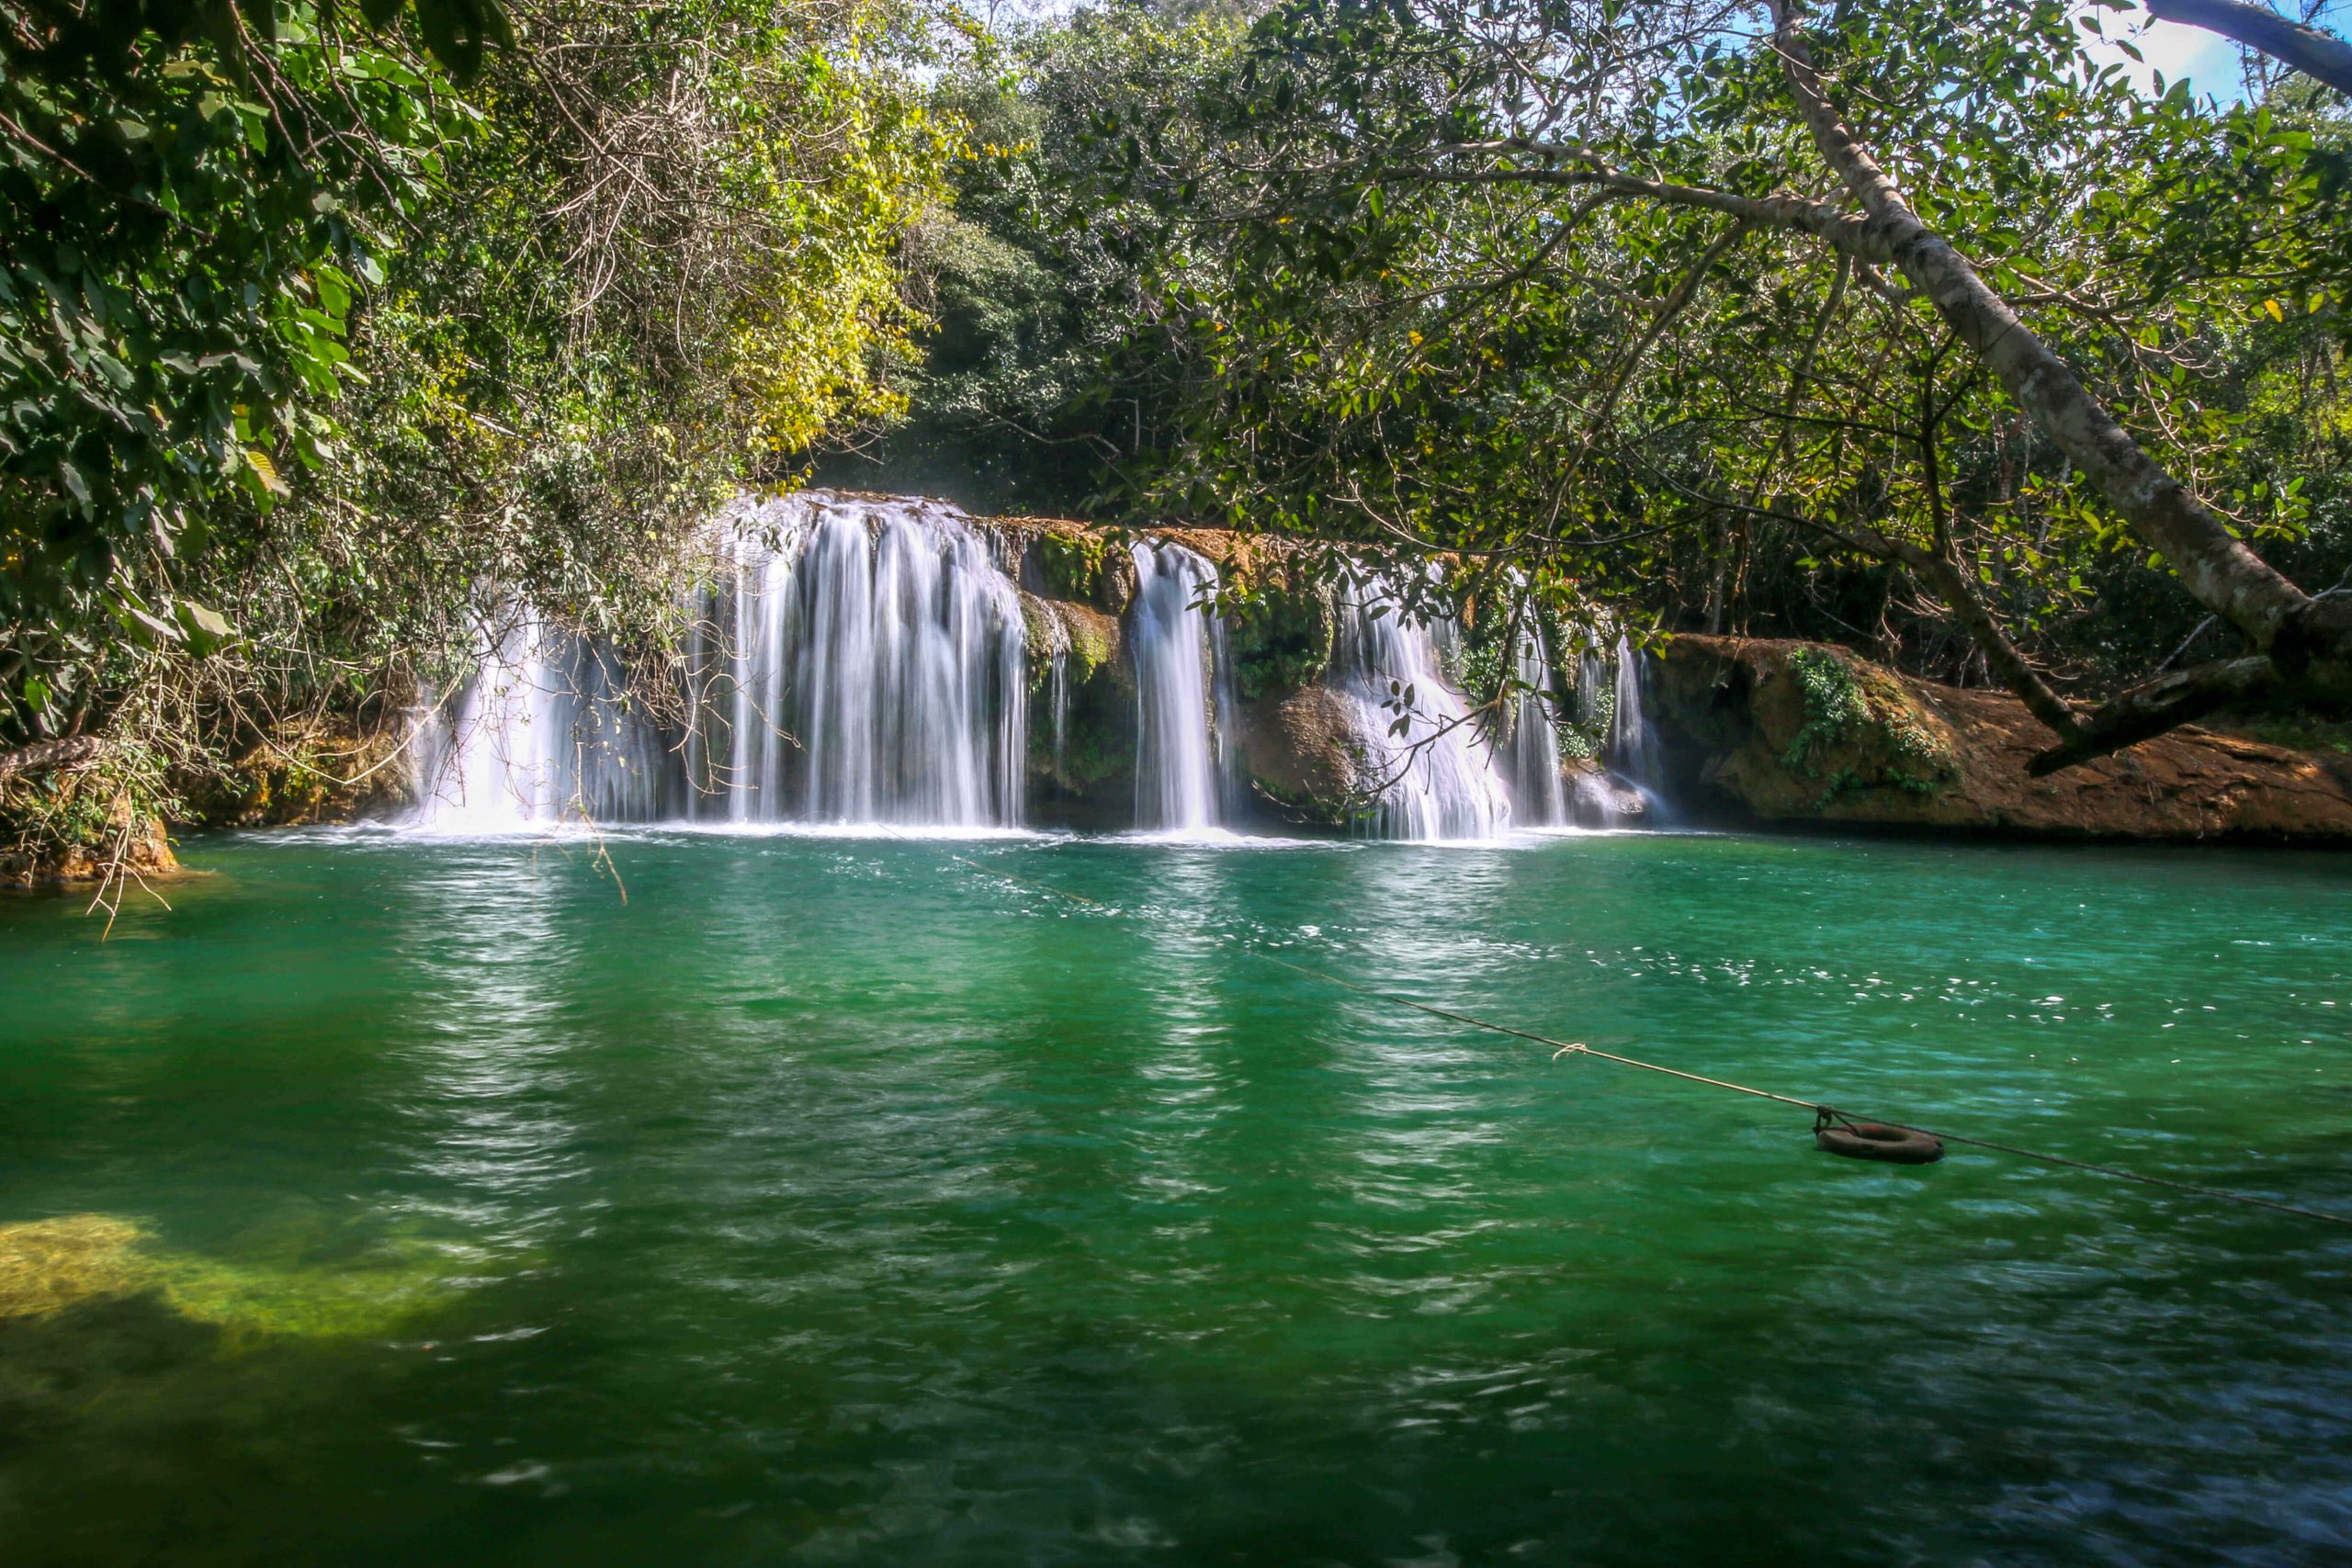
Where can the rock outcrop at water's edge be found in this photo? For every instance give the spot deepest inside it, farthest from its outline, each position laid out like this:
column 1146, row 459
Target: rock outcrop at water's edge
column 146, row 850
column 326, row 768
column 1779, row 732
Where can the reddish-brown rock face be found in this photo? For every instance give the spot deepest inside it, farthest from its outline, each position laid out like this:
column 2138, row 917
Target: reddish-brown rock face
column 1745, row 736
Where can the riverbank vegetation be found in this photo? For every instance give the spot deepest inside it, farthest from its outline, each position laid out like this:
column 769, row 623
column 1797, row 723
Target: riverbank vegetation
column 1928, row 327
column 325, row 336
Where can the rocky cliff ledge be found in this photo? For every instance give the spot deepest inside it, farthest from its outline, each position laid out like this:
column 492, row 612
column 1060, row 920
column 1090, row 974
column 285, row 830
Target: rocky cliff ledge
column 1791, row 732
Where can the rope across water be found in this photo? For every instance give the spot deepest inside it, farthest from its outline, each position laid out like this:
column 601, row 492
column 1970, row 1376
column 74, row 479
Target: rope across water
column 1566, row 1047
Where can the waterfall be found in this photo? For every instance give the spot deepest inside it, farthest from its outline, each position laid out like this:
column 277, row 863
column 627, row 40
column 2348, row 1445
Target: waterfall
column 1225, row 727
column 877, row 669
column 1057, row 651
column 1436, row 778
column 1530, row 752
column 1176, row 770
column 543, row 734
column 854, row 661
column 1057, row 695
column 1609, row 700
column 1633, row 742
column 857, row 660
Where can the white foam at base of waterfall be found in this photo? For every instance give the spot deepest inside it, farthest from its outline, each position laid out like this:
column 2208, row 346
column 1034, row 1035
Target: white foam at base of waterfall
column 538, row 738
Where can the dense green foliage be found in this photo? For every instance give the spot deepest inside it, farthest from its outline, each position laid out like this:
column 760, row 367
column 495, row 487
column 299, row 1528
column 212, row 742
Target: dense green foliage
column 1043, row 387
column 1363, row 280
column 186, row 231
column 1406, row 338
column 336, row 360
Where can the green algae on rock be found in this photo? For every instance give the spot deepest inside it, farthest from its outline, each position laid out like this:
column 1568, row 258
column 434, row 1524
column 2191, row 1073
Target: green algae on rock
column 47, row 1265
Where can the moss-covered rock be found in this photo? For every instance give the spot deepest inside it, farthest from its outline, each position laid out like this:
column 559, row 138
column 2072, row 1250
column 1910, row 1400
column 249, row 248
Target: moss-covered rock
column 1082, row 760
column 1279, row 629
column 1862, row 730
column 1789, row 732
column 1072, row 564
column 325, row 769
column 1306, row 756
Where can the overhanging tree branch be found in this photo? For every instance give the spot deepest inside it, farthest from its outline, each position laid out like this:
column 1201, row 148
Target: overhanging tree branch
column 1944, row 577
column 2216, row 568
column 2150, row 709
column 1854, row 234
column 47, row 756
column 2316, row 55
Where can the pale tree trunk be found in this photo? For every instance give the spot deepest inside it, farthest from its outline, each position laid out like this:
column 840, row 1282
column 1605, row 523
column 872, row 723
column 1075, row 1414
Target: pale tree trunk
column 2309, row 644
column 2314, row 53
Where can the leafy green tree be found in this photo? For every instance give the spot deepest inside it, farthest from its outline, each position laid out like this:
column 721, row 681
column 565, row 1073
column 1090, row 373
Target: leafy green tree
column 1040, row 385
column 340, row 357
column 192, row 208
column 664, row 266
column 1575, row 295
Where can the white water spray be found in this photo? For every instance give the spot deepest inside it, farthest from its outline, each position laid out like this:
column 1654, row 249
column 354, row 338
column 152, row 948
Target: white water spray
column 1530, row 754
column 1633, row 749
column 541, row 736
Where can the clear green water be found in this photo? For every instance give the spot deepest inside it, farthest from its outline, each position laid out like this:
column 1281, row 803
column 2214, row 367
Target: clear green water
column 828, row 1202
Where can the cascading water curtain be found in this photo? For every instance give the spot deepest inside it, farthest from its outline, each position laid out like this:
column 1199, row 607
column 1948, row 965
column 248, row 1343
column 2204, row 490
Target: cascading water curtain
column 1176, row 771
column 856, row 663
column 1634, row 743
column 1439, row 776
column 878, row 671
column 1531, row 753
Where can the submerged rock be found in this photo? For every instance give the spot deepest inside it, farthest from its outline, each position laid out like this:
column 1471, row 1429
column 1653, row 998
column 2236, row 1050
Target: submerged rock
column 1782, row 732
column 1598, row 798
column 49, row 1266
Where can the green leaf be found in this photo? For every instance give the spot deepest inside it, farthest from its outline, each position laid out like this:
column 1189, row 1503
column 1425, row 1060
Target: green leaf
column 266, row 471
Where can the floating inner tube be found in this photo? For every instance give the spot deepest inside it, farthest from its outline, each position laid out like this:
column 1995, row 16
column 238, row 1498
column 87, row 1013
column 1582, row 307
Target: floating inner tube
column 1869, row 1140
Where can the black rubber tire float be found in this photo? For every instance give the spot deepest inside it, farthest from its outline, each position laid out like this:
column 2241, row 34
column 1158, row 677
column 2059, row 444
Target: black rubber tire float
column 1870, row 1140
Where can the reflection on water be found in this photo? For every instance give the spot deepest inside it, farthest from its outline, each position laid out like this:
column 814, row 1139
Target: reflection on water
column 842, row 1198
column 491, row 1063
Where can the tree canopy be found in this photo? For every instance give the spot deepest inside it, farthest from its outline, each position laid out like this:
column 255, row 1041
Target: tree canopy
column 1693, row 305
